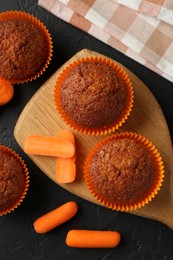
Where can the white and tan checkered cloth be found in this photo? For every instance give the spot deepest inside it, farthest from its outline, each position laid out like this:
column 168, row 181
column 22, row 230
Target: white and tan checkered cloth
column 141, row 29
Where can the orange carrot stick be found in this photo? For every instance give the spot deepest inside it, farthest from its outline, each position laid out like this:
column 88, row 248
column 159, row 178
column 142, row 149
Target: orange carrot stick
column 67, row 135
column 66, row 167
column 6, row 91
column 93, row 239
column 65, row 170
column 49, row 146
column 55, row 217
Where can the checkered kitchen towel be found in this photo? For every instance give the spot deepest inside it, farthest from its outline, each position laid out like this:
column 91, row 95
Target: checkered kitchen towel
column 141, row 29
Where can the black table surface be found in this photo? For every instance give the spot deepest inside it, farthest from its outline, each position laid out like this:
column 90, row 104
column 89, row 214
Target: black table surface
column 141, row 238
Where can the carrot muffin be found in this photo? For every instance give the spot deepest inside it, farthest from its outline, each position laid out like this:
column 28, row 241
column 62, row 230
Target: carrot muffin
column 94, row 96
column 25, row 46
column 13, row 180
column 124, row 171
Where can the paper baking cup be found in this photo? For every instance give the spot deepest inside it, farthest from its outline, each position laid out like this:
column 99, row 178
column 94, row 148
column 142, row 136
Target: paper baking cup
column 18, row 200
column 95, row 131
column 28, row 17
column 155, row 187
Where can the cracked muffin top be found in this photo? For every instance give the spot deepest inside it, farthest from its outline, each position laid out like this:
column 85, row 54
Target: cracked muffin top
column 22, row 48
column 93, row 95
column 122, row 171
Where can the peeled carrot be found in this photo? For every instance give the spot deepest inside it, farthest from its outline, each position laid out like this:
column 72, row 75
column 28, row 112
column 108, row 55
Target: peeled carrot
column 66, row 167
column 67, row 135
column 6, row 91
column 65, row 170
column 55, row 217
column 93, row 239
column 49, row 146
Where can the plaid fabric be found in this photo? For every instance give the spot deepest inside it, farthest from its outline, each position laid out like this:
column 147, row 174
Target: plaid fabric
column 141, row 29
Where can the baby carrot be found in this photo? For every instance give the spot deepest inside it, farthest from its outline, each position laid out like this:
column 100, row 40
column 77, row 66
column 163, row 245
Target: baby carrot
column 93, row 239
column 55, row 217
column 66, row 167
column 65, row 170
column 6, row 91
column 67, row 135
column 49, row 146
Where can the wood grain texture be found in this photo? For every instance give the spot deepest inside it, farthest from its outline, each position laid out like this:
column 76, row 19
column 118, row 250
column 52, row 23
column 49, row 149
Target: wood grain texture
column 40, row 117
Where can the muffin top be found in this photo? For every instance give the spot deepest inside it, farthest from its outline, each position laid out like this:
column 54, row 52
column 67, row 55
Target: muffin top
column 122, row 171
column 12, row 180
column 93, row 95
column 22, row 48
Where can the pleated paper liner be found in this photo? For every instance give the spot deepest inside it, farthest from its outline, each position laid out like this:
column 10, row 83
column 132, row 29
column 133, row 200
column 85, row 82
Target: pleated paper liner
column 102, row 130
column 33, row 20
column 18, row 200
column 155, row 186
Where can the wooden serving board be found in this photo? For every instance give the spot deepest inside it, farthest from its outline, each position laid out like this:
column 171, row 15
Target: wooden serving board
column 40, row 117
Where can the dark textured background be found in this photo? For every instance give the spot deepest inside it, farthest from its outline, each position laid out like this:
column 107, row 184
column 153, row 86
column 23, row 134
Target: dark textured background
column 141, row 238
